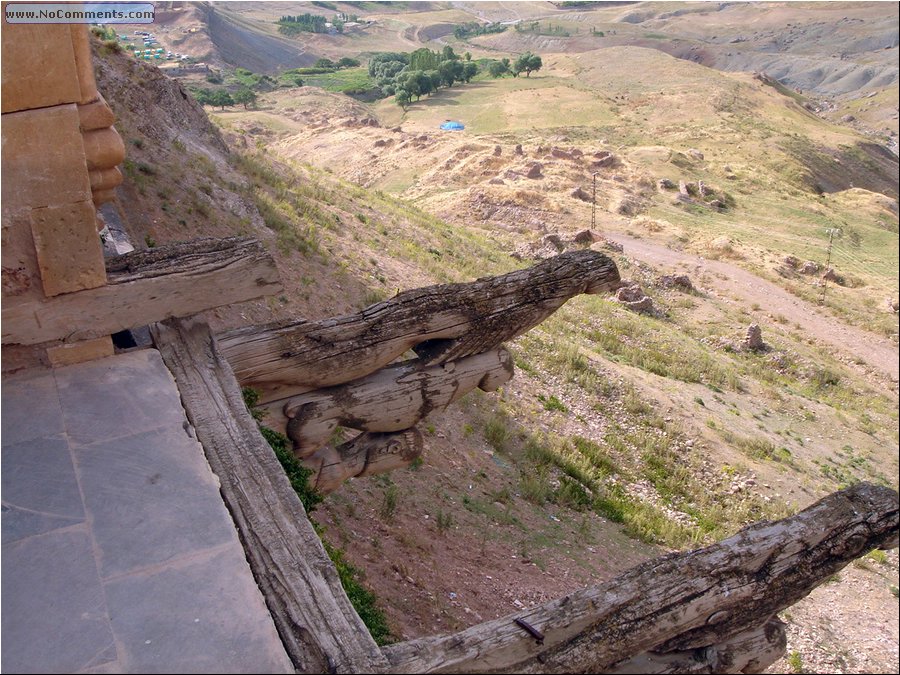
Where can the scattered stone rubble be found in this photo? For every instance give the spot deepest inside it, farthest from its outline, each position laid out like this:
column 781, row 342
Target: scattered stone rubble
column 634, row 298
column 554, row 243
column 809, row 267
column 680, row 281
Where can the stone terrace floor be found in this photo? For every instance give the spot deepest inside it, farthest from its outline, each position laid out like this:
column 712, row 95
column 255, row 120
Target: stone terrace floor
column 118, row 554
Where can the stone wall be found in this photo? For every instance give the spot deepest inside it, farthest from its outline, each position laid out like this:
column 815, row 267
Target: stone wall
column 59, row 159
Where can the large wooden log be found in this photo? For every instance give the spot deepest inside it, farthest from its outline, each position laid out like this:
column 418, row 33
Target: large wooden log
column 366, row 455
column 147, row 286
column 443, row 323
column 393, row 399
column 750, row 652
column 318, row 625
column 680, row 602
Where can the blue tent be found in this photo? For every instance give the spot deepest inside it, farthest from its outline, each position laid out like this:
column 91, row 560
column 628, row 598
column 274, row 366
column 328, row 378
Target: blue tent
column 452, row 126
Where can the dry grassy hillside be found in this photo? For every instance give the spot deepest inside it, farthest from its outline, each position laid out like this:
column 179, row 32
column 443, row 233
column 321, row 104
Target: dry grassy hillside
column 623, row 434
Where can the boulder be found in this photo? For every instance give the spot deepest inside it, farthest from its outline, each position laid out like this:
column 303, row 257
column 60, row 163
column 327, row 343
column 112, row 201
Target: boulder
column 679, row 281
column 832, row 276
column 665, row 184
column 603, row 162
column 627, row 205
column 586, row 237
column 579, row 193
column 809, row 267
column 496, row 180
column 695, row 154
column 633, row 298
column 791, row 261
column 644, row 305
column 560, row 153
column 519, row 150
column 534, row 170
column 632, row 293
column 497, row 151
column 553, row 240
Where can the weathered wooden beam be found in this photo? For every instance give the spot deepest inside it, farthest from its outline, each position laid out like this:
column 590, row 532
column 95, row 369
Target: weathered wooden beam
column 676, row 603
column 393, row 399
column 318, row 625
column 147, row 286
column 366, row 455
column 750, row 652
column 443, row 323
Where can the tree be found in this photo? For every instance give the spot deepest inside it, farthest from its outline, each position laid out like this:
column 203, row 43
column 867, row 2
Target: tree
column 527, row 63
column 325, row 63
column 470, row 70
column 451, row 71
column 499, row 68
column 416, row 82
column 347, row 62
column 436, row 80
column 424, row 59
column 404, row 100
column 246, row 97
column 203, row 96
column 221, row 99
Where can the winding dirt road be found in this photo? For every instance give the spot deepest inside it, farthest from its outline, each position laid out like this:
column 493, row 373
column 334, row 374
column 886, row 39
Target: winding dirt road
column 878, row 353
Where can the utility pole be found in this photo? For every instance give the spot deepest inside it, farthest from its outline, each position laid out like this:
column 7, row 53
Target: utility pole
column 594, row 204
column 831, row 232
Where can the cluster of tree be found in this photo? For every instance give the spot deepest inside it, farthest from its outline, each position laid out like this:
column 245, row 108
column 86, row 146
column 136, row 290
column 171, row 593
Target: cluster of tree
column 313, row 23
column 343, row 62
column 473, row 29
column 536, row 28
column 302, row 23
column 340, row 19
column 222, row 98
column 527, row 63
column 409, row 76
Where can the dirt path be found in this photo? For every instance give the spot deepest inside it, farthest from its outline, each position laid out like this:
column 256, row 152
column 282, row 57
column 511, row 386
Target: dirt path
column 877, row 352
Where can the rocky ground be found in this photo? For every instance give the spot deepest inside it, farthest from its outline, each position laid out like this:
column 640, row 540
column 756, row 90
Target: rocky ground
column 848, row 625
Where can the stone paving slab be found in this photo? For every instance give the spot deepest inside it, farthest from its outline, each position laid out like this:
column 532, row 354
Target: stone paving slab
column 118, row 554
column 54, row 610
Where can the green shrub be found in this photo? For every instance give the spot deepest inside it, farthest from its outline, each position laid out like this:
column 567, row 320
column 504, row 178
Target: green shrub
column 363, row 600
column 496, row 432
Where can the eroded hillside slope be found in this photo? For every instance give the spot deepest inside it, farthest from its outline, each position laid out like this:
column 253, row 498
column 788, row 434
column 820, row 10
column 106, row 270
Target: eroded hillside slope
column 622, row 435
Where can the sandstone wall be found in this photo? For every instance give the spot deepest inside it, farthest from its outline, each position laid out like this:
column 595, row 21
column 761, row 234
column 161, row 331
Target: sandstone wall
column 59, row 159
